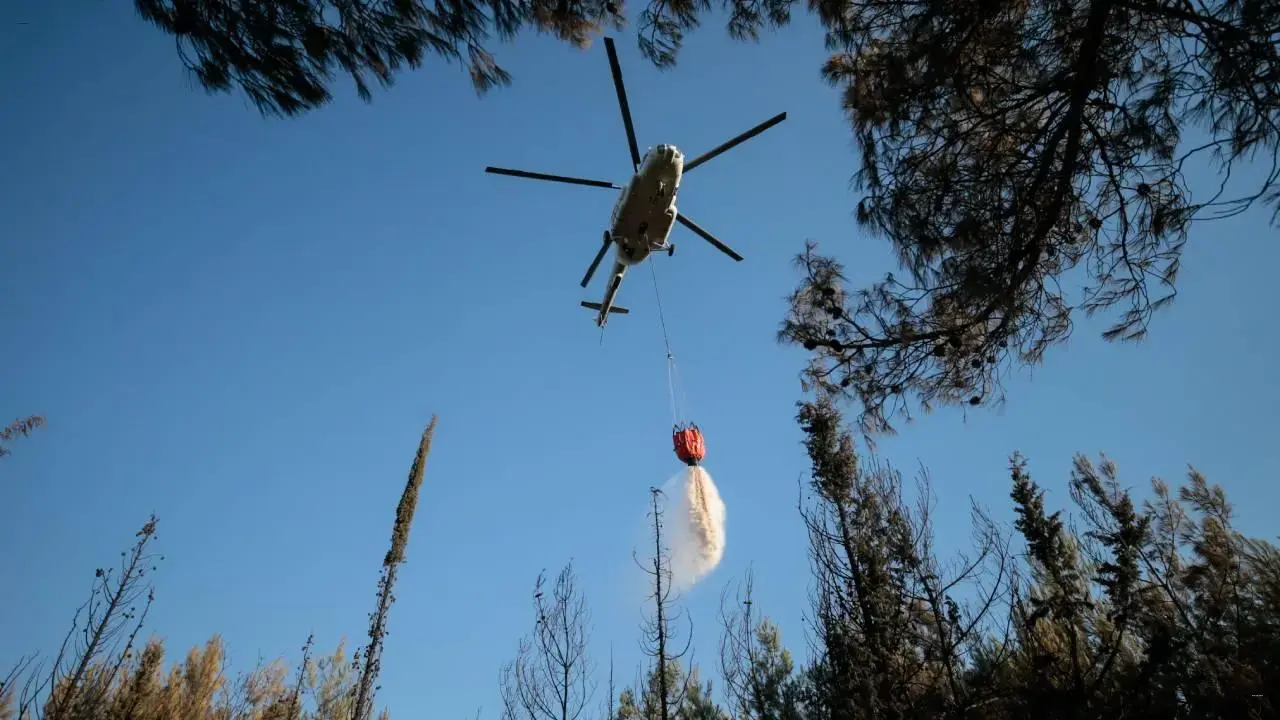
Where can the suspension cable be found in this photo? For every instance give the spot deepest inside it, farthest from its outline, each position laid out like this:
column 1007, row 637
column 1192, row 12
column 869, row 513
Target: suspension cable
column 666, row 341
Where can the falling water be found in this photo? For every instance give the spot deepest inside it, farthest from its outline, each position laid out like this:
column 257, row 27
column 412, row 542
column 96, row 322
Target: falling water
column 694, row 526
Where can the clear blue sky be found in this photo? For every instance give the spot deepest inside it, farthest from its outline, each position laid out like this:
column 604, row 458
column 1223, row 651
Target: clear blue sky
column 243, row 325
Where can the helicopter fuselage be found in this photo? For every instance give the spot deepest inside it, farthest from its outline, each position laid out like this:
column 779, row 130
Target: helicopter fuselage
column 646, row 209
column 643, row 217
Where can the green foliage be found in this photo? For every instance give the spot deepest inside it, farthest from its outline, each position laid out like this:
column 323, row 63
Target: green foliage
column 891, row 637
column 1010, row 149
column 283, row 54
column 409, row 499
column 759, row 674
column 1160, row 611
column 691, row 697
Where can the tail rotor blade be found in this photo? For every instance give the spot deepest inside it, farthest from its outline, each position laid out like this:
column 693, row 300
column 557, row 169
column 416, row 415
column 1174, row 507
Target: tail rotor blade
column 622, row 102
column 708, row 237
column 596, row 263
column 735, row 141
column 553, row 178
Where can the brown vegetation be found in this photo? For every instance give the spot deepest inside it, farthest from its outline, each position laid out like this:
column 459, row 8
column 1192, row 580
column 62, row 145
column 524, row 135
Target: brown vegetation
column 102, row 672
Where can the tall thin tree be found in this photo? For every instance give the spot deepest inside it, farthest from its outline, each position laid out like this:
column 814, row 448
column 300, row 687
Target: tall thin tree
column 659, row 699
column 369, row 658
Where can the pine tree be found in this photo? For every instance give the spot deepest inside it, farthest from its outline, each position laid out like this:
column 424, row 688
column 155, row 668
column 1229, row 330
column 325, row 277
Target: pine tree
column 891, row 639
column 1010, row 146
column 758, row 672
column 692, row 701
column 1140, row 612
column 283, row 54
column 369, row 658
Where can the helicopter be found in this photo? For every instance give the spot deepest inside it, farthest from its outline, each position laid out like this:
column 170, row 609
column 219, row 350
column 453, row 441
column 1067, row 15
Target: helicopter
column 645, row 212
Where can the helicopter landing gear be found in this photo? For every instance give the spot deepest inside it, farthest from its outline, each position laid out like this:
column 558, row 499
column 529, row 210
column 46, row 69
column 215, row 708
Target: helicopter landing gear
column 671, row 249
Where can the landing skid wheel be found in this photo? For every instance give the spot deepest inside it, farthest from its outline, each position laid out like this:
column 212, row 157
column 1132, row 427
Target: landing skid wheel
column 671, row 249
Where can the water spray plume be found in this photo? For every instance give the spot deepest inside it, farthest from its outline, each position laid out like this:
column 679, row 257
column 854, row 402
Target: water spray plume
column 697, row 526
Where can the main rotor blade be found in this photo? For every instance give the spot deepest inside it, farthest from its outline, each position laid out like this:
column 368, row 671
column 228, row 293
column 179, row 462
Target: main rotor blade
column 736, row 141
column 708, row 237
column 596, row 263
column 622, row 102
column 553, row 178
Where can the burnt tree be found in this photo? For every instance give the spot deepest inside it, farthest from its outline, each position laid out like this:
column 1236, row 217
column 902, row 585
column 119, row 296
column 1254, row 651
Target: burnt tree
column 551, row 675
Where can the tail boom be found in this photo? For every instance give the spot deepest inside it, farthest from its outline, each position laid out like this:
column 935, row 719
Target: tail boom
column 603, row 309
